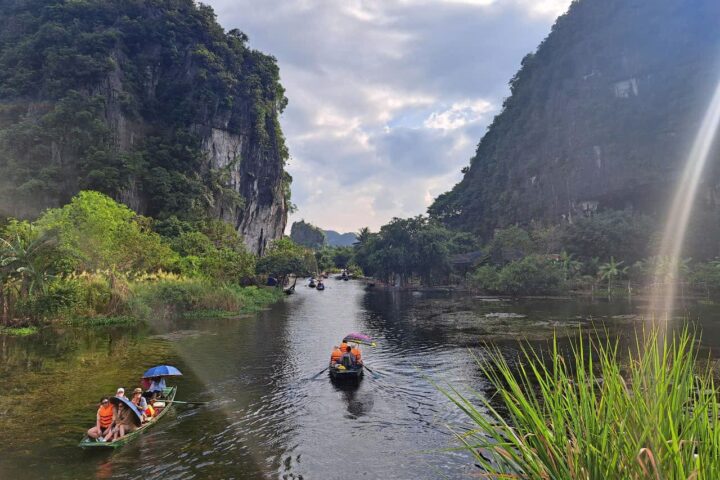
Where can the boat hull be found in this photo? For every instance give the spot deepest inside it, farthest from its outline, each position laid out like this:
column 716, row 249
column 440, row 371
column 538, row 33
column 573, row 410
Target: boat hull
column 88, row 443
column 351, row 375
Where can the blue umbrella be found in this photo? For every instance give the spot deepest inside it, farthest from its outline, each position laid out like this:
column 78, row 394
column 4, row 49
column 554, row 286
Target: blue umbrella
column 137, row 417
column 162, row 371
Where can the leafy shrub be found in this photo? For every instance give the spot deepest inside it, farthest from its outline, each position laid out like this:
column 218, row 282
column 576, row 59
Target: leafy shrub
column 622, row 234
column 509, row 244
column 98, row 233
column 228, row 265
column 170, row 294
column 486, row 278
column 706, row 277
column 533, row 275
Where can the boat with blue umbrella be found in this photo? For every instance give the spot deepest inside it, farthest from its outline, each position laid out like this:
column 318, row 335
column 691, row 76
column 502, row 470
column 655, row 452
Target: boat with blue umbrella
column 161, row 408
column 162, row 371
column 162, row 399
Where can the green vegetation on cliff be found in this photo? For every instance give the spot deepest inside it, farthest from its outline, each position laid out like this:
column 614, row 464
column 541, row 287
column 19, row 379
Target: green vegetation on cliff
column 307, row 235
column 600, row 117
column 139, row 100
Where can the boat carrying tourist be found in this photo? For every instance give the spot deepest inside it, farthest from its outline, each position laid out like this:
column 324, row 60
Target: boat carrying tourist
column 346, row 363
column 120, row 419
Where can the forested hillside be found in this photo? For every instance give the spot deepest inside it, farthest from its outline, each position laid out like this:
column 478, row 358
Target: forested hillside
column 307, row 235
column 149, row 101
column 600, row 117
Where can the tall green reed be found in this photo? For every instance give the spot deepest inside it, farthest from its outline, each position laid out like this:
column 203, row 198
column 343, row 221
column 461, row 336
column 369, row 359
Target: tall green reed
column 596, row 413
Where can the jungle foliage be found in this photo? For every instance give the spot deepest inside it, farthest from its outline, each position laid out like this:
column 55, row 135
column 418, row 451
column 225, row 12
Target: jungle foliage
column 95, row 257
column 113, row 95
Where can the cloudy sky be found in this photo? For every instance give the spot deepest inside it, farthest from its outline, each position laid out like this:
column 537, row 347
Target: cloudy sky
column 388, row 98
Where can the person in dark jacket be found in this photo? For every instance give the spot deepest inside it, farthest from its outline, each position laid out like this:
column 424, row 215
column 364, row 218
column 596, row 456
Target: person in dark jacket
column 348, row 360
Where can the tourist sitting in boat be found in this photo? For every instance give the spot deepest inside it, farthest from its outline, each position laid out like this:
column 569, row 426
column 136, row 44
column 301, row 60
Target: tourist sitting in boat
column 348, row 360
column 123, row 423
column 120, row 392
column 104, row 420
column 335, row 356
column 157, row 386
column 358, row 355
column 140, row 402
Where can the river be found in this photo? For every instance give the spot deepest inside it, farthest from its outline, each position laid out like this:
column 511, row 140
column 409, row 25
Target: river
column 269, row 416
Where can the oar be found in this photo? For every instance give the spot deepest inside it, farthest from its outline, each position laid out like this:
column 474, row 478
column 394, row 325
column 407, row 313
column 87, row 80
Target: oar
column 318, row 373
column 370, row 370
column 188, row 403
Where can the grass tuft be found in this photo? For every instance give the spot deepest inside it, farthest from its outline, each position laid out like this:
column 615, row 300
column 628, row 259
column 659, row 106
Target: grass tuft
column 597, row 413
column 18, row 331
column 100, row 321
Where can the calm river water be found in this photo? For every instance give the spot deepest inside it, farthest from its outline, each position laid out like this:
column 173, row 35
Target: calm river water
column 267, row 417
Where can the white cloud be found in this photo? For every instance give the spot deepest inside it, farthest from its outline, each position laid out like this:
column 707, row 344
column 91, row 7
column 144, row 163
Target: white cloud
column 459, row 115
column 547, row 8
column 387, row 98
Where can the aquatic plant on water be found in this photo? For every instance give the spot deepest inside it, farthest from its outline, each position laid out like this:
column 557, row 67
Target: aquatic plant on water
column 598, row 413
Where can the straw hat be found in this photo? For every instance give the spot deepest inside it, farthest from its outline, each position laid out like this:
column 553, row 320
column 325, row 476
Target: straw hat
column 137, row 390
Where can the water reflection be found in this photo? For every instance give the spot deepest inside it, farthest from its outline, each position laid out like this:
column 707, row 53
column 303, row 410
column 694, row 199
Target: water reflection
column 270, row 416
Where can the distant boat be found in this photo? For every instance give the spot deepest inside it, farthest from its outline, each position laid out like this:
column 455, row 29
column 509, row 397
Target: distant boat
column 312, row 283
column 320, row 286
column 290, row 289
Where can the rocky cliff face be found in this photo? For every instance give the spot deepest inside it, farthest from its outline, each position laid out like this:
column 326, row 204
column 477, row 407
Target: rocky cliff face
column 602, row 116
column 307, row 235
column 150, row 102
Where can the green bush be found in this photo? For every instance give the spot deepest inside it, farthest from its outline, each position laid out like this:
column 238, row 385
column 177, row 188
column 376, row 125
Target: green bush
column 706, row 278
column 97, row 232
column 171, row 294
column 622, row 234
column 533, row 275
column 226, row 265
column 509, row 244
column 486, row 278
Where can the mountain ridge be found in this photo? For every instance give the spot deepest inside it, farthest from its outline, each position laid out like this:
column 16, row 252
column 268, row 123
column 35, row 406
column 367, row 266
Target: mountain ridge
column 600, row 117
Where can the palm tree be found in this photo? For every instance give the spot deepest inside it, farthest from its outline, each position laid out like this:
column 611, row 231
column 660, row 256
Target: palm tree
column 569, row 265
column 27, row 259
column 363, row 236
column 611, row 270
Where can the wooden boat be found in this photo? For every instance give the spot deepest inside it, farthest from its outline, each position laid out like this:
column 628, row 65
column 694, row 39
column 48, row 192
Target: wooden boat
column 320, row 286
column 346, row 375
column 312, row 284
column 168, row 397
column 289, row 290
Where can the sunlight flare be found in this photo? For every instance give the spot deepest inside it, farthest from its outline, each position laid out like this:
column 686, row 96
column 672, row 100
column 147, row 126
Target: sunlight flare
column 663, row 295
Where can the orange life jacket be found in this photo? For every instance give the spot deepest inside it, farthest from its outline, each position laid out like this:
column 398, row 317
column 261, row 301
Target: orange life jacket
column 335, row 355
column 149, row 411
column 356, row 351
column 106, row 415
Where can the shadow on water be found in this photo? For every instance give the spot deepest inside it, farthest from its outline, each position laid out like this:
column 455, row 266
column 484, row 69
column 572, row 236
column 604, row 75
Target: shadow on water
column 269, row 416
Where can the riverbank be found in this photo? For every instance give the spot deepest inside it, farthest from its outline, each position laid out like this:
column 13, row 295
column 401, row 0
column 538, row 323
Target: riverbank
column 591, row 291
column 104, row 299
